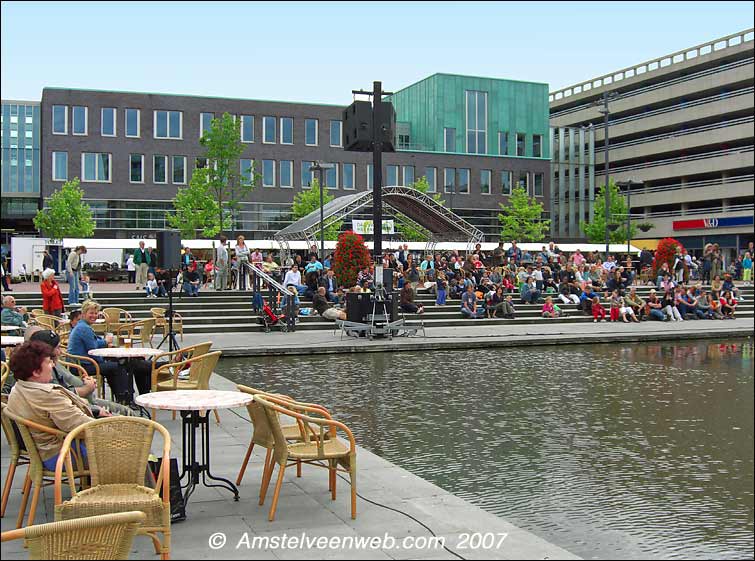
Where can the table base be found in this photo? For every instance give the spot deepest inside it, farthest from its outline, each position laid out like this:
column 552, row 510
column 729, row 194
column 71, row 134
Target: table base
column 193, row 420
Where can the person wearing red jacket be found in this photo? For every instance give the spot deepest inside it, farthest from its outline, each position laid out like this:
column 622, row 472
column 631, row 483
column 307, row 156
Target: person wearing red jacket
column 52, row 299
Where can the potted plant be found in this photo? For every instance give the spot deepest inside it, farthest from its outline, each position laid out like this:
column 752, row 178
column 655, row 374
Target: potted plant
column 645, row 226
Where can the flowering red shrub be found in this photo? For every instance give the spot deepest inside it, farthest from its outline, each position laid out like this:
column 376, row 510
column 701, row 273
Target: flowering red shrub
column 665, row 253
column 351, row 257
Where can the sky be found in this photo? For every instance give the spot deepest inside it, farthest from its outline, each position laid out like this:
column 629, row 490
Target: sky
column 319, row 52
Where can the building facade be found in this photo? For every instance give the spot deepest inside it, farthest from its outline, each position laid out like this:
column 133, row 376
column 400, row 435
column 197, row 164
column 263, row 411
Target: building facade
column 20, row 173
column 133, row 151
column 682, row 125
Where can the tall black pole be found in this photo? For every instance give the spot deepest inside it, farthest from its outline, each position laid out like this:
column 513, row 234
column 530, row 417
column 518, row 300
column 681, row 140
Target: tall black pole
column 322, row 220
column 629, row 214
column 607, row 191
column 377, row 172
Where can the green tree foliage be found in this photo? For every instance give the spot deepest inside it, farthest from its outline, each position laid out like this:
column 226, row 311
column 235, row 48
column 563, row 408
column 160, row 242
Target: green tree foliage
column 596, row 230
column 521, row 219
column 308, row 200
column 221, row 181
column 406, row 227
column 196, row 209
column 351, row 256
column 66, row 215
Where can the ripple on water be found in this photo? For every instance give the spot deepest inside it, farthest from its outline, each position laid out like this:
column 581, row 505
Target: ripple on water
column 608, row 451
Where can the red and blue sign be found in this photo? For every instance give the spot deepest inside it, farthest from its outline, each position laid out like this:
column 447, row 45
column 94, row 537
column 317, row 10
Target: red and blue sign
column 712, row 223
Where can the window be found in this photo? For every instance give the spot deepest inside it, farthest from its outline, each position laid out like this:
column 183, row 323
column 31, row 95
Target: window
column 431, row 174
column 160, row 170
column 287, row 130
column 306, row 175
column 136, row 167
column 449, row 180
column 59, row 119
column 485, row 176
column 205, row 123
column 331, row 177
column 96, row 167
column 268, row 173
column 503, row 143
column 179, row 170
column 247, row 128
column 408, row 175
column 335, row 133
column 370, row 176
column 477, row 113
column 286, row 173
column 168, row 124
column 80, row 120
column 246, row 171
column 310, row 132
column 506, row 182
column 391, row 176
column 520, row 144
column 132, row 123
column 201, row 163
column 462, row 180
column 107, row 122
column 60, row 166
column 28, row 134
column 449, row 140
column 537, row 144
column 523, row 181
column 268, row 130
column 538, row 179
column 348, row 176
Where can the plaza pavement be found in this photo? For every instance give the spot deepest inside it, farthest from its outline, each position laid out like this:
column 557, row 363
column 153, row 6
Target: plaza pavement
column 305, row 508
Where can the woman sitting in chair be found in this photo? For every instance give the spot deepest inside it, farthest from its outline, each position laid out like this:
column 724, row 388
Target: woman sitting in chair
column 36, row 399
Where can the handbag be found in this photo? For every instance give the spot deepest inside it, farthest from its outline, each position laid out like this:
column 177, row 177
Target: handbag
column 177, row 507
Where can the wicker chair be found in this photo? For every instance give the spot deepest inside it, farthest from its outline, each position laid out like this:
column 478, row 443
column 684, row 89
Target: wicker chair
column 37, row 473
column 311, row 450
column 18, row 454
column 48, row 322
column 261, row 435
column 4, row 372
column 162, row 322
column 201, row 368
column 67, row 358
column 114, row 317
column 142, row 331
column 108, row 536
column 118, row 449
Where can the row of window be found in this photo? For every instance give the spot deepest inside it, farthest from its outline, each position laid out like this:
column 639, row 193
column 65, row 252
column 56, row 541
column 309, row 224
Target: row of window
column 478, row 141
column 97, row 167
column 169, row 125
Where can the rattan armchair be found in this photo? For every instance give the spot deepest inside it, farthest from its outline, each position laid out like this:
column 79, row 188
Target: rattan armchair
column 36, row 475
column 142, row 331
column 162, row 322
column 18, row 455
column 201, row 368
column 67, row 358
column 47, row 322
column 114, row 317
column 108, row 536
column 118, row 449
column 313, row 449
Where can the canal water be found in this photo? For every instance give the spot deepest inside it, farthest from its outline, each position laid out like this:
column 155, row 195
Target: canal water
column 609, row 451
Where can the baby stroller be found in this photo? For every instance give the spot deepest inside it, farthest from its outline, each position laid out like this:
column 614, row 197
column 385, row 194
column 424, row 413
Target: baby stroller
column 269, row 319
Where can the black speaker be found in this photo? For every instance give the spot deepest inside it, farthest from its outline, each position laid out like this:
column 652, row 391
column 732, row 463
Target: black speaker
column 169, row 250
column 388, row 279
column 358, row 306
column 357, row 126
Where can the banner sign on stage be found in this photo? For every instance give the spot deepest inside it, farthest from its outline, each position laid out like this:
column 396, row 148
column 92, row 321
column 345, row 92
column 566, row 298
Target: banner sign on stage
column 366, row 227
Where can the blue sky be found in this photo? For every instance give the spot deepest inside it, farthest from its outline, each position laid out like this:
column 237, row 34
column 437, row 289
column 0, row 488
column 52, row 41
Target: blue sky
column 318, row 52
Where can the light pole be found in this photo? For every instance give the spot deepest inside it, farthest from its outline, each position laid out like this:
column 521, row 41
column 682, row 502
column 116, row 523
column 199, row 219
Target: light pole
column 629, row 184
column 320, row 167
column 606, row 117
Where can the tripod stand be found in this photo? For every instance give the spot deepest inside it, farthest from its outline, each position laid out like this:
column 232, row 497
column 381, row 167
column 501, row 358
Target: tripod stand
column 170, row 335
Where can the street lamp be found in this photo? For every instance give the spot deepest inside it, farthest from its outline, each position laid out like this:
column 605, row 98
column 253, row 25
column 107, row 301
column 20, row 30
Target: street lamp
column 320, row 167
column 628, row 185
column 606, row 117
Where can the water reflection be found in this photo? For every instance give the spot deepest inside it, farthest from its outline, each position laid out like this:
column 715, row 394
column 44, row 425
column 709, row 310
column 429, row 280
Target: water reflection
column 618, row 451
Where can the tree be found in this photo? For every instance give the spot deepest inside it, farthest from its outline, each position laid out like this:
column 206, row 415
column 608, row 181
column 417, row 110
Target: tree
column 596, row 230
column 66, row 215
column 222, row 180
column 521, row 219
column 196, row 209
column 405, row 225
column 665, row 253
column 351, row 256
column 308, row 200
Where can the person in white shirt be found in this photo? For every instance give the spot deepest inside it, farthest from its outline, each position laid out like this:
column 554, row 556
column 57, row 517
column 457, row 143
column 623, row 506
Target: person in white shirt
column 293, row 278
column 131, row 268
column 609, row 265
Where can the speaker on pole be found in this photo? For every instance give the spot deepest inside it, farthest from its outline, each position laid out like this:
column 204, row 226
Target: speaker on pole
column 169, row 249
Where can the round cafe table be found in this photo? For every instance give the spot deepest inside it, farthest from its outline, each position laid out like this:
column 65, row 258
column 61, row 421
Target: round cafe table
column 8, row 328
column 125, row 354
column 11, row 340
column 193, row 405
